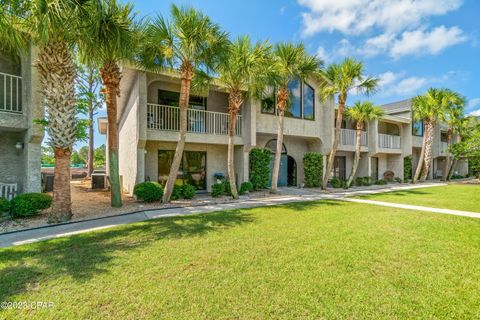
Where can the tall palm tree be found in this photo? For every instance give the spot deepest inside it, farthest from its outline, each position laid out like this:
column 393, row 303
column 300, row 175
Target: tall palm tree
column 421, row 111
column 109, row 37
column 341, row 79
column 451, row 115
column 53, row 26
column 361, row 112
column 290, row 62
column 242, row 74
column 192, row 44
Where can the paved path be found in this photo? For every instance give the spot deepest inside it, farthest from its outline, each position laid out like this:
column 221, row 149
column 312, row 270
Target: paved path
column 62, row 230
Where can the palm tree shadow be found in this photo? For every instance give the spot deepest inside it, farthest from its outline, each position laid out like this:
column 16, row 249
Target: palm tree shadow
column 309, row 205
column 84, row 256
column 403, row 193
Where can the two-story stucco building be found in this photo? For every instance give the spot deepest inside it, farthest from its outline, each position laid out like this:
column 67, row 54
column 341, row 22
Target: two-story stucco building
column 148, row 118
column 20, row 137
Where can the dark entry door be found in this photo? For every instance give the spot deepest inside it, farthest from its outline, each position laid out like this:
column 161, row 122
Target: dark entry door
column 374, row 165
column 339, row 169
column 291, row 171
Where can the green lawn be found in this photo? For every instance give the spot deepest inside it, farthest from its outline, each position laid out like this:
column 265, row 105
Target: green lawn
column 455, row 196
column 328, row 259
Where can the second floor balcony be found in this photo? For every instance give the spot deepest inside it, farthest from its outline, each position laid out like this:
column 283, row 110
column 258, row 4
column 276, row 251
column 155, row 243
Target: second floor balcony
column 348, row 137
column 10, row 93
column 167, row 118
column 387, row 141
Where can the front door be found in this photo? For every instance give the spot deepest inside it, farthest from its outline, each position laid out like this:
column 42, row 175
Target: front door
column 283, row 172
column 339, row 167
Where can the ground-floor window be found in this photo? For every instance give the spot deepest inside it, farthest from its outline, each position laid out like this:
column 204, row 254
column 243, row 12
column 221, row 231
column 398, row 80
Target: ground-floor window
column 193, row 168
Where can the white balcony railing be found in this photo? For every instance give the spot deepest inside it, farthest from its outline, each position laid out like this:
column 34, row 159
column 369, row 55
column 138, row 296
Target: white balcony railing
column 10, row 93
column 348, row 137
column 388, row 141
column 167, row 118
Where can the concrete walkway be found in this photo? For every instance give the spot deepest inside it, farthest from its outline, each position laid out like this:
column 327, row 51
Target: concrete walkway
column 62, row 230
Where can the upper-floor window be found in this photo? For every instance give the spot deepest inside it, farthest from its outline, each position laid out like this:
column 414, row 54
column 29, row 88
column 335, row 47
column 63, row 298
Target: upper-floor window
column 301, row 101
column 443, row 136
column 171, row 98
column 417, row 129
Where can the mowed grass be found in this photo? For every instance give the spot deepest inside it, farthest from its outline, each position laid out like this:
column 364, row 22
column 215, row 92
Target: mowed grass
column 311, row 260
column 465, row 197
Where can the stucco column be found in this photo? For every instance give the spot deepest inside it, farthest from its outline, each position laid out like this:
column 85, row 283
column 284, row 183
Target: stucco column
column 32, row 177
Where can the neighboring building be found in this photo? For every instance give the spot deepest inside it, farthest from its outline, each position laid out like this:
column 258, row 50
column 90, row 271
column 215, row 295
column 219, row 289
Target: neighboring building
column 20, row 138
column 148, row 118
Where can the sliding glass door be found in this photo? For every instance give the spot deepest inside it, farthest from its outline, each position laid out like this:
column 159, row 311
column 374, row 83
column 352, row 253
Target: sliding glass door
column 193, row 168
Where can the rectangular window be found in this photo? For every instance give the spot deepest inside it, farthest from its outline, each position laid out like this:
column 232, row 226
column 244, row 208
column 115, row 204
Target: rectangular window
column 443, row 136
column 308, row 102
column 294, row 105
column 417, row 129
column 301, row 102
column 170, row 98
column 193, row 168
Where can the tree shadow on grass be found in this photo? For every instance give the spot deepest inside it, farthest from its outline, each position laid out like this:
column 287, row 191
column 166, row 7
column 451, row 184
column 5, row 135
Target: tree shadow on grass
column 86, row 255
column 309, row 205
column 404, row 193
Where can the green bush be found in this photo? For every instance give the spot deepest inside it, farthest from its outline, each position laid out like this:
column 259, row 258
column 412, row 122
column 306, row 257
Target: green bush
column 358, row 181
column 4, row 205
column 260, row 168
column 246, row 187
column 29, row 204
column 407, row 167
column 226, row 188
column 313, row 169
column 381, row 182
column 366, row 181
column 176, row 192
column 218, row 189
column 189, row 191
column 399, row 180
column 148, row 191
column 337, row 183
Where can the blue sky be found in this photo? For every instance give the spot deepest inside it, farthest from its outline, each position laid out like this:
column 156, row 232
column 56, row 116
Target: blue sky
column 410, row 45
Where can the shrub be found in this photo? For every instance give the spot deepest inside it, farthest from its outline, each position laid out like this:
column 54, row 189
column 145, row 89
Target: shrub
column 399, row 180
column 189, row 191
column 29, row 204
column 4, row 205
column 260, row 167
column 407, row 167
column 218, row 189
column 381, row 182
column 366, row 181
column 226, row 188
column 457, row 176
column 337, row 183
column 176, row 192
column 245, row 187
column 358, row 181
column 313, row 169
column 148, row 191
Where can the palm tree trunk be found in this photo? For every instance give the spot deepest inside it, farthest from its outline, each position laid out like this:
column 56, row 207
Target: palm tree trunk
column 111, row 77
column 357, row 153
column 186, row 80
column 336, row 139
column 282, row 97
column 420, row 159
column 428, row 149
column 57, row 79
column 447, row 156
column 235, row 100
column 90, row 142
column 452, row 169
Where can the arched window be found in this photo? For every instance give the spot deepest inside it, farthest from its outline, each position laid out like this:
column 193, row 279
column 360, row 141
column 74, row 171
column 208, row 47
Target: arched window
column 272, row 146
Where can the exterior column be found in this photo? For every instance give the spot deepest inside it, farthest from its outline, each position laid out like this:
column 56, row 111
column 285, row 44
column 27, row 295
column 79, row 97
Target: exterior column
column 32, row 154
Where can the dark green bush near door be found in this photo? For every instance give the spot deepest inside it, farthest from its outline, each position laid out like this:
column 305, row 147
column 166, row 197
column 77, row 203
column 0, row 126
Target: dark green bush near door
column 4, row 205
column 148, row 191
column 260, row 167
column 407, row 168
column 29, row 204
column 313, row 169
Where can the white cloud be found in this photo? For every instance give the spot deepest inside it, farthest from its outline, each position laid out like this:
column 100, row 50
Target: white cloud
column 397, row 84
column 475, row 113
column 419, row 42
column 282, row 10
column 353, row 17
column 323, row 54
column 475, row 102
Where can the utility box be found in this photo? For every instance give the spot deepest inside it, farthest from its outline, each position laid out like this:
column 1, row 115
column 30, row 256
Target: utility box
column 98, row 179
column 47, row 182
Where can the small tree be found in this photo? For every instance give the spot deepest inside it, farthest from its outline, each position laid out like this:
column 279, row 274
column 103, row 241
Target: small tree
column 361, row 112
column 313, row 169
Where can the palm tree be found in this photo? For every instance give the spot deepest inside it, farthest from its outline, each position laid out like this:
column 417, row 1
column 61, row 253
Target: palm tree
column 467, row 129
column 290, row 62
column 451, row 115
column 53, row 26
column 421, row 112
column 192, row 44
column 361, row 112
column 242, row 74
column 341, row 79
column 109, row 37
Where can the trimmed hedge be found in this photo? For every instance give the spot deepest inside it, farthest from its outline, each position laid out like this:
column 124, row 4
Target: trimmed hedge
column 4, row 205
column 337, row 183
column 188, row 191
column 29, row 204
column 260, row 168
column 176, row 192
column 381, row 182
column 245, row 187
column 218, row 189
column 148, row 191
column 313, row 169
